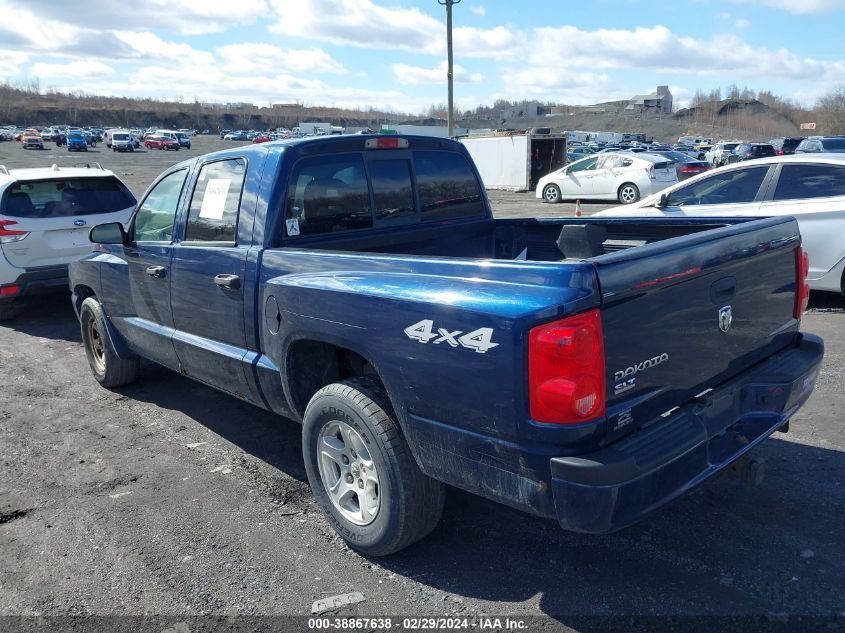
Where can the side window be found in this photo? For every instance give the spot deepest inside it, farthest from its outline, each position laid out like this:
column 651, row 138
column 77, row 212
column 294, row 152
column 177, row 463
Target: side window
column 585, row 165
column 328, row 193
column 797, row 182
column 448, row 187
column 154, row 218
column 727, row 187
column 213, row 216
column 394, row 196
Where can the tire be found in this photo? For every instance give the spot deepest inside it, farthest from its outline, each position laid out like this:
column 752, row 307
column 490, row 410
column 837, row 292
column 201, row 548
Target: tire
column 109, row 369
column 7, row 310
column 398, row 504
column 551, row 194
column 628, row 193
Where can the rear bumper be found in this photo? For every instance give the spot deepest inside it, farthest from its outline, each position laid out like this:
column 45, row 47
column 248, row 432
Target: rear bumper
column 623, row 483
column 39, row 281
column 616, row 486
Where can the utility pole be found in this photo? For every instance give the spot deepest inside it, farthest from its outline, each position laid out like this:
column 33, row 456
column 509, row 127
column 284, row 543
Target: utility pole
column 451, row 115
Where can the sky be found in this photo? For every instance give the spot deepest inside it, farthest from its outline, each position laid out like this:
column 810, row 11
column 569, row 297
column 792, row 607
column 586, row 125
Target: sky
column 391, row 54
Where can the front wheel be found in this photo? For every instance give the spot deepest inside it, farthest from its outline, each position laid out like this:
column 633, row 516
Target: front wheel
column 110, row 370
column 551, row 194
column 628, row 193
column 361, row 471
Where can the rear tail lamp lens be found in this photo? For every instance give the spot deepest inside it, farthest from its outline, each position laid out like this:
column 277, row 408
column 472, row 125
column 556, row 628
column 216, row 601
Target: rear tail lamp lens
column 566, row 370
column 9, row 291
column 802, row 269
column 10, row 235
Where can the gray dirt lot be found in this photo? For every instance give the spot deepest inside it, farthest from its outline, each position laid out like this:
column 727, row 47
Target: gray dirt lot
column 166, row 497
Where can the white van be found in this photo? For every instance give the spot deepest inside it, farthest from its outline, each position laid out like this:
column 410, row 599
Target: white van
column 121, row 141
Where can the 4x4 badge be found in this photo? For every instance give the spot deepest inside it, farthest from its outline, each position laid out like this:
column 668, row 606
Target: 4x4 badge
column 725, row 318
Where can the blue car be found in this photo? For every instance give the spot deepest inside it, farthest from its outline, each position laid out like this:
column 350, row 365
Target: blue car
column 76, row 142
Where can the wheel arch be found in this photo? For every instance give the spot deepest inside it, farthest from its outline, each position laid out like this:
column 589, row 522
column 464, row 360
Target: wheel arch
column 311, row 364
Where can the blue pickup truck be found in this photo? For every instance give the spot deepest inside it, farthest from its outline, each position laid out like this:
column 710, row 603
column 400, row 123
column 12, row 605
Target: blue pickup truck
column 589, row 371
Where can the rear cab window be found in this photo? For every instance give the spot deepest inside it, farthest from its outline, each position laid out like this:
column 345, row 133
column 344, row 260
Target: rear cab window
column 64, row 197
column 355, row 191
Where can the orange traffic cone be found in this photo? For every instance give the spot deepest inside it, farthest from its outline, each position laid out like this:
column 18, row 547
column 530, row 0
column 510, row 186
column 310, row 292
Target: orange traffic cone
column 577, row 208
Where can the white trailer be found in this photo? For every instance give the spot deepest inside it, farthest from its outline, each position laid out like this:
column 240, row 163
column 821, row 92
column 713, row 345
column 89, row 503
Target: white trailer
column 516, row 162
column 315, row 128
column 608, row 138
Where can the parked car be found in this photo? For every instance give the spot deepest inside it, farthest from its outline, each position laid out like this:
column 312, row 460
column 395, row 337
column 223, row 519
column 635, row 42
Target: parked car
column 719, row 153
column 750, row 151
column 45, row 216
column 685, row 165
column 76, row 141
column 236, row 136
column 618, row 176
column 47, row 134
column 786, row 145
column 811, row 188
column 813, row 144
column 157, row 141
column 262, row 138
column 223, row 133
column 362, row 286
column 122, row 141
column 31, row 139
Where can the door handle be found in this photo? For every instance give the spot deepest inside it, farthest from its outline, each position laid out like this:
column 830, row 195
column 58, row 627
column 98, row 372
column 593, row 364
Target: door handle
column 228, row 281
column 156, row 271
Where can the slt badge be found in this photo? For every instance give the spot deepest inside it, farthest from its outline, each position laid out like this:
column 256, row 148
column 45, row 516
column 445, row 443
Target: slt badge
column 725, row 318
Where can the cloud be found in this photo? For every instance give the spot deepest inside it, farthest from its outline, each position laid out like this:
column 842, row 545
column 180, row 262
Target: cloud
column 553, row 83
column 11, row 62
column 189, row 17
column 477, row 9
column 360, row 23
column 88, row 69
column 252, row 57
column 146, row 45
column 414, row 75
column 742, row 24
column 799, row 6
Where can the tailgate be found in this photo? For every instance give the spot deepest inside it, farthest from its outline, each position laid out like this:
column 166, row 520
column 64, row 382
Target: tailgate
column 682, row 315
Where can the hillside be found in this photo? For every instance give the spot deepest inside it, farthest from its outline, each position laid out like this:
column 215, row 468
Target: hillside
column 729, row 118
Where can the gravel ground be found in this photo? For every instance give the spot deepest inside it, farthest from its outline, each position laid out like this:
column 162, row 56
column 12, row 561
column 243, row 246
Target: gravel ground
column 166, row 497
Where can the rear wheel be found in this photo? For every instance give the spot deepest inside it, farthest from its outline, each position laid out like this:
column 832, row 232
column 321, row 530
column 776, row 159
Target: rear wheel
column 361, row 470
column 551, row 194
column 628, row 193
column 110, row 370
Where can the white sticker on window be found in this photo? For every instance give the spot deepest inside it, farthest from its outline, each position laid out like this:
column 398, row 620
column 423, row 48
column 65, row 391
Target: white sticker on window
column 214, row 199
column 292, row 226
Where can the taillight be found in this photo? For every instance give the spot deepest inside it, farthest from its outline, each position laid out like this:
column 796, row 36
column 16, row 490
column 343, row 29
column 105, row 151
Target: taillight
column 9, row 291
column 802, row 269
column 566, row 372
column 690, row 170
column 8, row 235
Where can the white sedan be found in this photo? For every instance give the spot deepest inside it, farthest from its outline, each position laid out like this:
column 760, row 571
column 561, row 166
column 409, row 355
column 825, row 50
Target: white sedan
column 809, row 187
column 622, row 176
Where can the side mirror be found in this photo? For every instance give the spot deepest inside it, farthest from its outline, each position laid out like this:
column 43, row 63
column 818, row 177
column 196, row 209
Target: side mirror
column 109, row 233
column 663, row 202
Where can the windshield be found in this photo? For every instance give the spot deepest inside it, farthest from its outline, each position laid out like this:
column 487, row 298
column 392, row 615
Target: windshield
column 120, row 137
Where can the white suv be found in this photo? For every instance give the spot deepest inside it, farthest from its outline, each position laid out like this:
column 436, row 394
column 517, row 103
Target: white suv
column 45, row 216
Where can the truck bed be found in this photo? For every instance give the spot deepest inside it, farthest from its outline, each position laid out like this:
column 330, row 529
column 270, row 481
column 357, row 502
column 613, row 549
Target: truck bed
column 533, row 239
